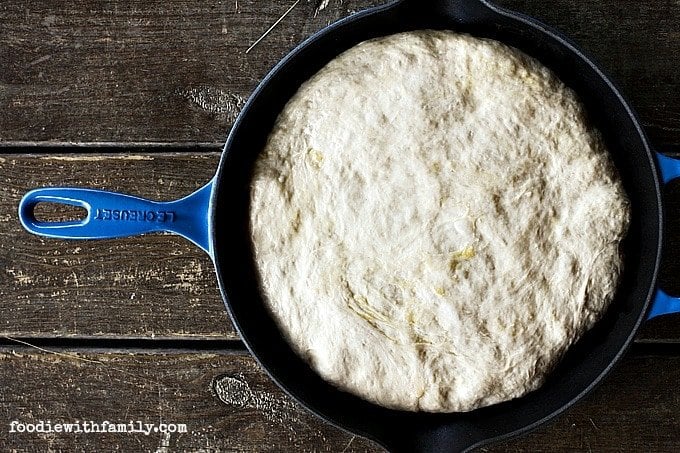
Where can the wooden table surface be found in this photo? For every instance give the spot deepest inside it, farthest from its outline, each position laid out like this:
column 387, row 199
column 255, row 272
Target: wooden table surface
column 138, row 97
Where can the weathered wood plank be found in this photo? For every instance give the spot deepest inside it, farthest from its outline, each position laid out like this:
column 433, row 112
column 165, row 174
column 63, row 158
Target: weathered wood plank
column 144, row 71
column 151, row 286
column 226, row 402
column 177, row 71
column 229, row 404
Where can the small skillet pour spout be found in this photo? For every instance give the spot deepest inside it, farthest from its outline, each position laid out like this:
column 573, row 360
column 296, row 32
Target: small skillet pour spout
column 216, row 219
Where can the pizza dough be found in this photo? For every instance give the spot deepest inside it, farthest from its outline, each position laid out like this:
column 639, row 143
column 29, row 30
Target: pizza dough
column 434, row 222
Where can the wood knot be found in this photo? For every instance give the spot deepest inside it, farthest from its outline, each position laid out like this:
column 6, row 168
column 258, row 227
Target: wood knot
column 214, row 100
column 233, row 390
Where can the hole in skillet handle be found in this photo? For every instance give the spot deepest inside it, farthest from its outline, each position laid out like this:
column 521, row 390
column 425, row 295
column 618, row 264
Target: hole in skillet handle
column 41, row 212
column 46, row 212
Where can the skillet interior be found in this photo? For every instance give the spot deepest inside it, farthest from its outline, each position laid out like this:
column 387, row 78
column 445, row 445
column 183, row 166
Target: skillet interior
column 585, row 363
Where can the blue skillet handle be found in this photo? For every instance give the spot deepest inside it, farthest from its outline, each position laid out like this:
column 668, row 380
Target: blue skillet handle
column 114, row 215
column 663, row 304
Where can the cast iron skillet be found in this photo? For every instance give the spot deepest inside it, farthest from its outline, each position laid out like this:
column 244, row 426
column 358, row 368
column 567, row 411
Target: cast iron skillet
column 216, row 218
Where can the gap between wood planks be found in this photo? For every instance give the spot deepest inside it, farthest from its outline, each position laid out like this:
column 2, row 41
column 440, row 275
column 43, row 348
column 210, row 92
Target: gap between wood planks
column 127, row 345
column 57, row 345
column 48, row 147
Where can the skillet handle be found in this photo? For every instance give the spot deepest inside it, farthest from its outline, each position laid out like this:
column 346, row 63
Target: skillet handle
column 670, row 167
column 663, row 304
column 114, row 215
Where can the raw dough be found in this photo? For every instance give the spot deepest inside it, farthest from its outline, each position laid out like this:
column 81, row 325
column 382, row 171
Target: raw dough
column 434, row 222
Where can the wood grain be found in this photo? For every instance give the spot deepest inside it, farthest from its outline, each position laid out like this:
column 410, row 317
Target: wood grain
column 226, row 401
column 153, row 71
column 177, row 72
column 229, row 404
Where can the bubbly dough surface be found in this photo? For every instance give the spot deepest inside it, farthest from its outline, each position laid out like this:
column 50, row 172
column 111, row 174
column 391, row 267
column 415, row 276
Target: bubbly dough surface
column 434, row 222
